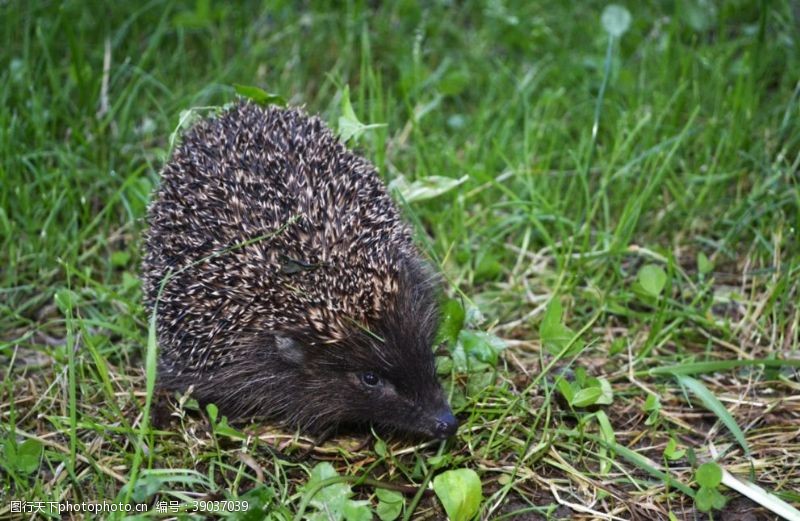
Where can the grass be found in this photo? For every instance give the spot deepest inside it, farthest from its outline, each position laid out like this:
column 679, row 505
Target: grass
column 693, row 169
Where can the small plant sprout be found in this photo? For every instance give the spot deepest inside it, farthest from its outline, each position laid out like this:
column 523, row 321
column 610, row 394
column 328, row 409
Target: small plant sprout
column 709, row 477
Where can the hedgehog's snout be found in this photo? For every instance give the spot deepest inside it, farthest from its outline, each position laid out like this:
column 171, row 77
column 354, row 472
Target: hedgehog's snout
column 445, row 424
column 436, row 418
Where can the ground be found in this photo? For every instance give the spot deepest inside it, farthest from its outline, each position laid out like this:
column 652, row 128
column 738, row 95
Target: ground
column 643, row 182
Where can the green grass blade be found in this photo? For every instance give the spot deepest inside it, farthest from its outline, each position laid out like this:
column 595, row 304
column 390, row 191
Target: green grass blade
column 760, row 496
column 150, row 381
column 713, row 404
column 715, row 366
column 643, row 463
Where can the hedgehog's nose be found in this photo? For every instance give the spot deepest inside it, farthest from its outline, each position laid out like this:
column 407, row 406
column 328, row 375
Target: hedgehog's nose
column 446, row 424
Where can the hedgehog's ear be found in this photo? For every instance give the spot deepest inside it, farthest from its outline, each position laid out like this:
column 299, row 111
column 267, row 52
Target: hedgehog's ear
column 289, row 349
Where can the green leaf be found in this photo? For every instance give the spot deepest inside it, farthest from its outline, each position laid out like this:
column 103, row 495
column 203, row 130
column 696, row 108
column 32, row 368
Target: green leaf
column 586, row 397
column 120, row 258
column 65, row 300
column 566, row 389
column 481, row 346
column 223, row 429
column 424, row 188
column 616, row 20
column 452, row 321
column 652, row 403
column 671, row 451
column 460, row 359
column 617, row 346
column 713, row 404
column 606, row 393
column 356, row 510
column 390, row 504
column 332, row 497
column 652, row 278
column 8, row 457
column 389, row 512
column 321, row 472
column 130, row 281
column 438, row 461
column 460, row 493
column 258, row 499
column 708, row 498
column 704, row 499
column 479, row 380
column 691, row 457
column 552, row 316
column 556, row 336
column 718, row 500
column 349, row 125
column 146, row 486
column 259, row 95
column 212, row 412
column 333, row 501
column 708, row 475
column 380, row 448
column 652, row 418
column 704, row 265
column 185, row 120
column 581, row 378
column 444, row 365
column 389, row 496
column 28, row 455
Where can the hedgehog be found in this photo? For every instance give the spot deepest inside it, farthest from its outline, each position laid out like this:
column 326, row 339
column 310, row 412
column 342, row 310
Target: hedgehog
column 286, row 285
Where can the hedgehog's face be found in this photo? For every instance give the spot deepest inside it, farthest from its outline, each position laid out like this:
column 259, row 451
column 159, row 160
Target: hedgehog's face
column 368, row 383
column 398, row 395
column 400, row 407
column 383, row 374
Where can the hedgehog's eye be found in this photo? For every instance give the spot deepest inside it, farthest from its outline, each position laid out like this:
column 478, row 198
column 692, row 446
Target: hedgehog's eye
column 370, row 379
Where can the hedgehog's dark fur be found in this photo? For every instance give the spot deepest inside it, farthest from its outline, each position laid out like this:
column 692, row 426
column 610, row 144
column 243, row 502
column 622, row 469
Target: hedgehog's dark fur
column 288, row 276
